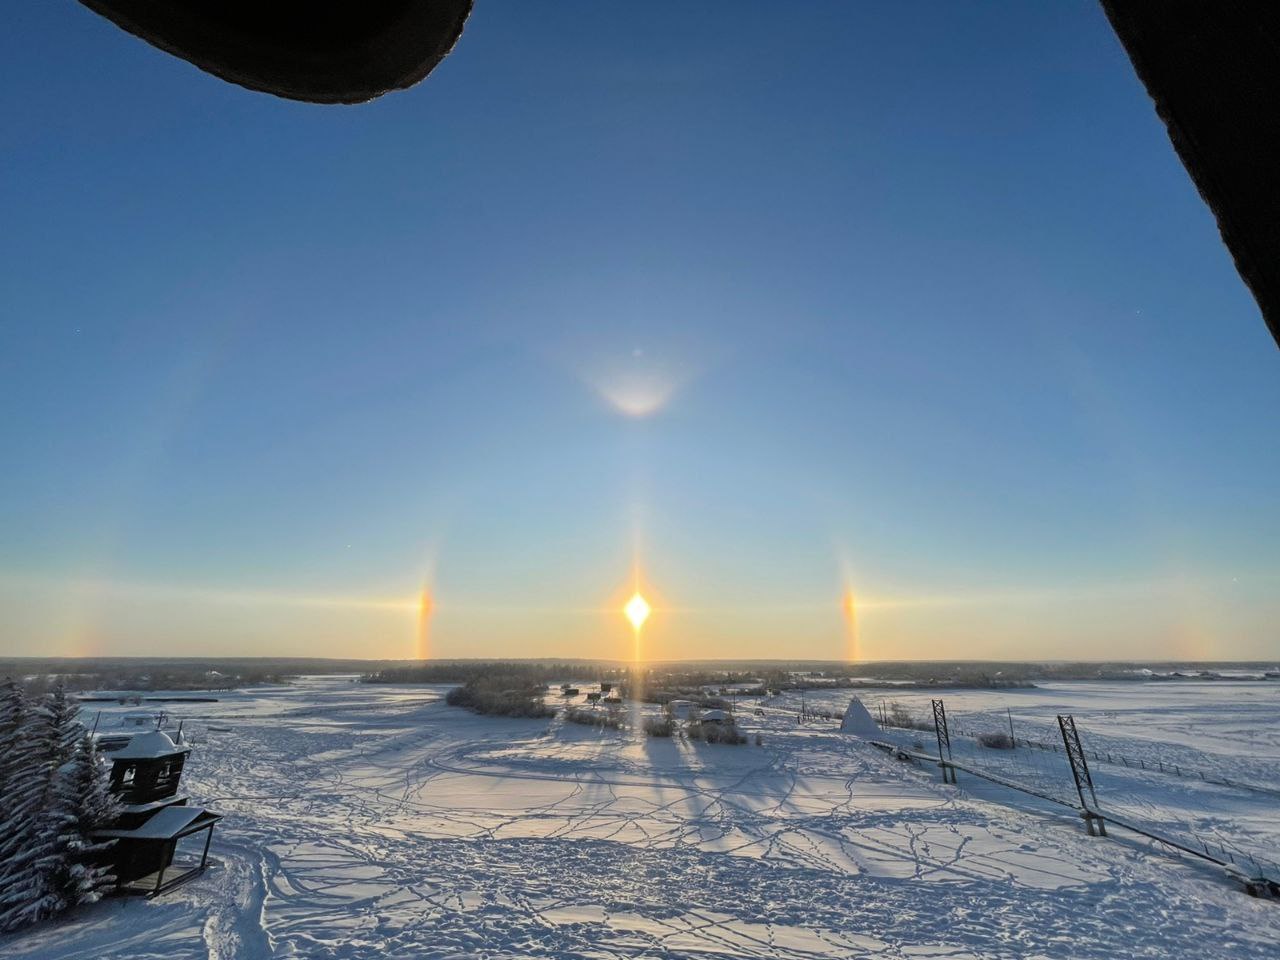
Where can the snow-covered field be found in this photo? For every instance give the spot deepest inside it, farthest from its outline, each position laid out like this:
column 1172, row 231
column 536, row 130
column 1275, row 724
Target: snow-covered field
column 374, row 821
column 1159, row 753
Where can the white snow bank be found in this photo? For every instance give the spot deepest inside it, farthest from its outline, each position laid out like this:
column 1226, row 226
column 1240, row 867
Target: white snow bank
column 857, row 720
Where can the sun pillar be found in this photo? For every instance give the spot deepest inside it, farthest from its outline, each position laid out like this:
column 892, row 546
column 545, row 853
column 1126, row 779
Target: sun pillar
column 849, row 607
column 425, row 608
column 637, row 611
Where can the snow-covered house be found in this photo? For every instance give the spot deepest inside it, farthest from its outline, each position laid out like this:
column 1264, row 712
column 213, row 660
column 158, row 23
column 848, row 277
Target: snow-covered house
column 680, row 709
column 146, row 775
column 146, row 771
column 716, row 716
column 130, row 725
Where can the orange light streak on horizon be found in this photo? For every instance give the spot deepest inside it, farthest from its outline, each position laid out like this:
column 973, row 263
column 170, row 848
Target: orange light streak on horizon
column 426, row 607
column 850, row 609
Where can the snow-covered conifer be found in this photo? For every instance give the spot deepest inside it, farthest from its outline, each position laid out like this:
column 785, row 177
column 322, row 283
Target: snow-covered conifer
column 63, row 730
column 32, row 851
column 23, row 780
column 80, row 802
column 14, row 711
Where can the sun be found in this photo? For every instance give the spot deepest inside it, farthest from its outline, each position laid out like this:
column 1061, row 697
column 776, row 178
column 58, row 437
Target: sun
column 637, row 610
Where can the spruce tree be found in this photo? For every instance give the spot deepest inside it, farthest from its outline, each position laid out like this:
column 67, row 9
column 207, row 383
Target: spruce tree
column 54, row 842
column 13, row 714
column 35, row 851
column 80, row 803
column 63, row 730
column 23, row 780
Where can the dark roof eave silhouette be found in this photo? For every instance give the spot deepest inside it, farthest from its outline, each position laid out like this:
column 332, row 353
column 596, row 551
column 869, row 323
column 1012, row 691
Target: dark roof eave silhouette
column 318, row 51
column 1213, row 70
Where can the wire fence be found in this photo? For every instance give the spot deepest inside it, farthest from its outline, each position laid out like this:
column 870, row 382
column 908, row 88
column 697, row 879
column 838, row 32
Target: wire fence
column 1113, row 757
column 1042, row 768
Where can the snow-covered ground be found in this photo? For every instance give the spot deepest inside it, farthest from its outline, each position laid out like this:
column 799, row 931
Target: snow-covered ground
column 375, row 821
column 1158, row 752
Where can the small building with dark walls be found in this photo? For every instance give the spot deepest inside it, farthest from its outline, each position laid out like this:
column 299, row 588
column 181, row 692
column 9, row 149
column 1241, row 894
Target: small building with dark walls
column 146, row 775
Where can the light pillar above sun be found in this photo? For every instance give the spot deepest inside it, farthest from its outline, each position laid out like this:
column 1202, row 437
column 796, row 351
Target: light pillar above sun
column 849, row 607
column 425, row 608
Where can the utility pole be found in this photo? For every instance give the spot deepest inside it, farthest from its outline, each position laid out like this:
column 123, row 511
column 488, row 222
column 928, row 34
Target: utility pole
column 944, row 742
column 1080, row 773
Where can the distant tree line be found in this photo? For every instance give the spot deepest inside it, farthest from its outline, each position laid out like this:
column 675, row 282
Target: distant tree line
column 142, row 674
column 39, row 676
column 464, row 671
column 55, row 790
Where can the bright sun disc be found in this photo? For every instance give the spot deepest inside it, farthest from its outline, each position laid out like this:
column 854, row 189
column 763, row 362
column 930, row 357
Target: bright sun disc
column 637, row 611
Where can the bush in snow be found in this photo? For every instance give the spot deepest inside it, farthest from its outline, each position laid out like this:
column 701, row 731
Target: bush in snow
column 995, row 741
column 55, row 791
column 658, row 726
column 900, row 716
column 594, row 718
column 502, row 695
column 715, row 732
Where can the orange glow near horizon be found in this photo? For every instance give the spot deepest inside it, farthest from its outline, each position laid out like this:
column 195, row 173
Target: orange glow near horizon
column 425, row 608
column 850, row 609
column 631, row 619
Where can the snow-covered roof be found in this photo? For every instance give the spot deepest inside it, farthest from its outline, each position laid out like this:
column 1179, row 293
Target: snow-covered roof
column 177, row 798
column 714, row 716
column 148, row 746
column 110, row 742
column 165, row 825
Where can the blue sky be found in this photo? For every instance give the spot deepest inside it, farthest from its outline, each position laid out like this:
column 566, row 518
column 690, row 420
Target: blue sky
column 910, row 300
